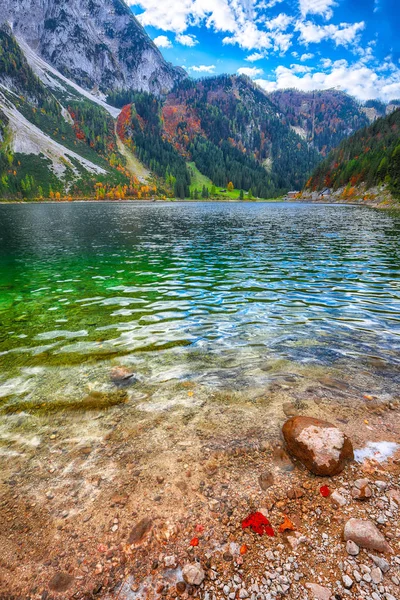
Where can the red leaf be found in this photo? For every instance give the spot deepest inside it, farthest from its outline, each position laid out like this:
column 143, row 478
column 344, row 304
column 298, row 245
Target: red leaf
column 199, row 528
column 258, row 523
column 194, row 542
column 325, row 491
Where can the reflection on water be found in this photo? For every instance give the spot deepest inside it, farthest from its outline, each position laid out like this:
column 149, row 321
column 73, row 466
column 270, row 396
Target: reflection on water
column 224, row 295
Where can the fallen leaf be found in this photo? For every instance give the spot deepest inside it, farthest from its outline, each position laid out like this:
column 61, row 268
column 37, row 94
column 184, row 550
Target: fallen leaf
column 194, row 542
column 243, row 549
column 324, row 491
column 259, row 524
column 287, row 525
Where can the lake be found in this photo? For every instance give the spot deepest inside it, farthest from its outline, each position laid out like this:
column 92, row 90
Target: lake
column 233, row 297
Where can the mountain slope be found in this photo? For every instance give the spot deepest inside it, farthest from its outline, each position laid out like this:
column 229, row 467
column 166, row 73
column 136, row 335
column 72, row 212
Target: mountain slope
column 369, row 157
column 53, row 140
column 226, row 126
column 95, row 43
column 323, row 118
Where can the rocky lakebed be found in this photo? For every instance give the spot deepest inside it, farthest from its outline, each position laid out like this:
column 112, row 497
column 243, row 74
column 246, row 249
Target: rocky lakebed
column 227, row 499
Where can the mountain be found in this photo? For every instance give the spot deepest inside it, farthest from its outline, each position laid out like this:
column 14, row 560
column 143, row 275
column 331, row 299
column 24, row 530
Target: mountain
column 227, row 126
column 323, row 118
column 89, row 107
column 374, row 109
column 55, row 139
column 368, row 158
column 98, row 44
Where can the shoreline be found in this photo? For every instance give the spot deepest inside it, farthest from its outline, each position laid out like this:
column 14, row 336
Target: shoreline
column 119, row 511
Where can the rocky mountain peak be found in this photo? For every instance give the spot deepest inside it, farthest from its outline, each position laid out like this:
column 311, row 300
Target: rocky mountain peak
column 99, row 44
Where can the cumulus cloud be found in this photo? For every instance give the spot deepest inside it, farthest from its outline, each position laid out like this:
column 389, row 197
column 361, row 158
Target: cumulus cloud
column 279, row 23
column 186, row 40
column 250, row 71
column 358, row 80
column 162, row 42
column 202, row 68
column 307, row 56
column 343, row 34
column 255, row 56
column 317, row 7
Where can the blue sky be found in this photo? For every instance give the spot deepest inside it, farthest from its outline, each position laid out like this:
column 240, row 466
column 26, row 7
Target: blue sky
column 352, row 45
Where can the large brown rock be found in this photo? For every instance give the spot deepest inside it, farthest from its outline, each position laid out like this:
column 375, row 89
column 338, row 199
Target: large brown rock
column 319, row 445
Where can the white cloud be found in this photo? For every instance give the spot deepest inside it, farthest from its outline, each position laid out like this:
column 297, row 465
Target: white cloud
column 170, row 15
column 343, row 34
column 255, row 56
column 162, row 41
column 295, row 68
column 250, row 71
column 234, row 17
column 307, row 56
column 358, row 80
column 317, row 7
column 279, row 23
column 186, row 40
column 202, row 68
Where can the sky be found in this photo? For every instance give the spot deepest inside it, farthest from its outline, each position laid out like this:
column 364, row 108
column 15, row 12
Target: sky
column 350, row 45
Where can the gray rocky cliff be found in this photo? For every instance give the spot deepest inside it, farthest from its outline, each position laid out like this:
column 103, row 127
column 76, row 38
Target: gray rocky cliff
column 99, row 44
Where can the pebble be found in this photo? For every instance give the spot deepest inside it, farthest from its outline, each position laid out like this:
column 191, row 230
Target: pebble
column 380, row 562
column 170, row 561
column 319, row 592
column 347, row 581
column 352, row 548
column 193, row 574
column 338, row 498
column 376, row 575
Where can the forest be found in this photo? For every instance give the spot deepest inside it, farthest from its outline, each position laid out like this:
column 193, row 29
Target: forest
column 371, row 156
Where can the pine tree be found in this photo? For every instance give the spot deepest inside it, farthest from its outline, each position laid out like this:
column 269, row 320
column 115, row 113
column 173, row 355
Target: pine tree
column 241, row 195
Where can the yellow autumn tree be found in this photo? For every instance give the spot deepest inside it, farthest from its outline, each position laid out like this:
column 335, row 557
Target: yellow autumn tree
column 231, row 187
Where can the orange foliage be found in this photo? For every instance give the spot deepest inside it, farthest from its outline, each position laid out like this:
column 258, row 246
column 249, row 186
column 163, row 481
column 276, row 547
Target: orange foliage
column 124, row 120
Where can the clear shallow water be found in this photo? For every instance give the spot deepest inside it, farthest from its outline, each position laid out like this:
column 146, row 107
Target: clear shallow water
column 220, row 294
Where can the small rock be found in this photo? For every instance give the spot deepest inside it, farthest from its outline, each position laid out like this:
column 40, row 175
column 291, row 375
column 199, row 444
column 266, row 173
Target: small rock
column 281, row 460
column 193, row 574
column 49, row 495
column 319, row 445
column 139, row 531
column 381, row 485
column 289, row 409
column 361, row 490
column 394, row 495
column 295, row 493
column 376, row 575
column 318, row 591
column 170, row 561
column 266, row 480
column 214, row 505
column 381, row 563
column 60, row 582
column 122, row 376
column 338, row 498
column 352, row 548
column 366, row 535
column 347, row 581
column 180, row 587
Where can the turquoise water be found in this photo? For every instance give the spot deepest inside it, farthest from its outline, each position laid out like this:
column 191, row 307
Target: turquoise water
column 224, row 295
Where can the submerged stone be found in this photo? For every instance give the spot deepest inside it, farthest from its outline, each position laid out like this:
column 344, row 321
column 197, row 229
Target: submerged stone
column 320, row 446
